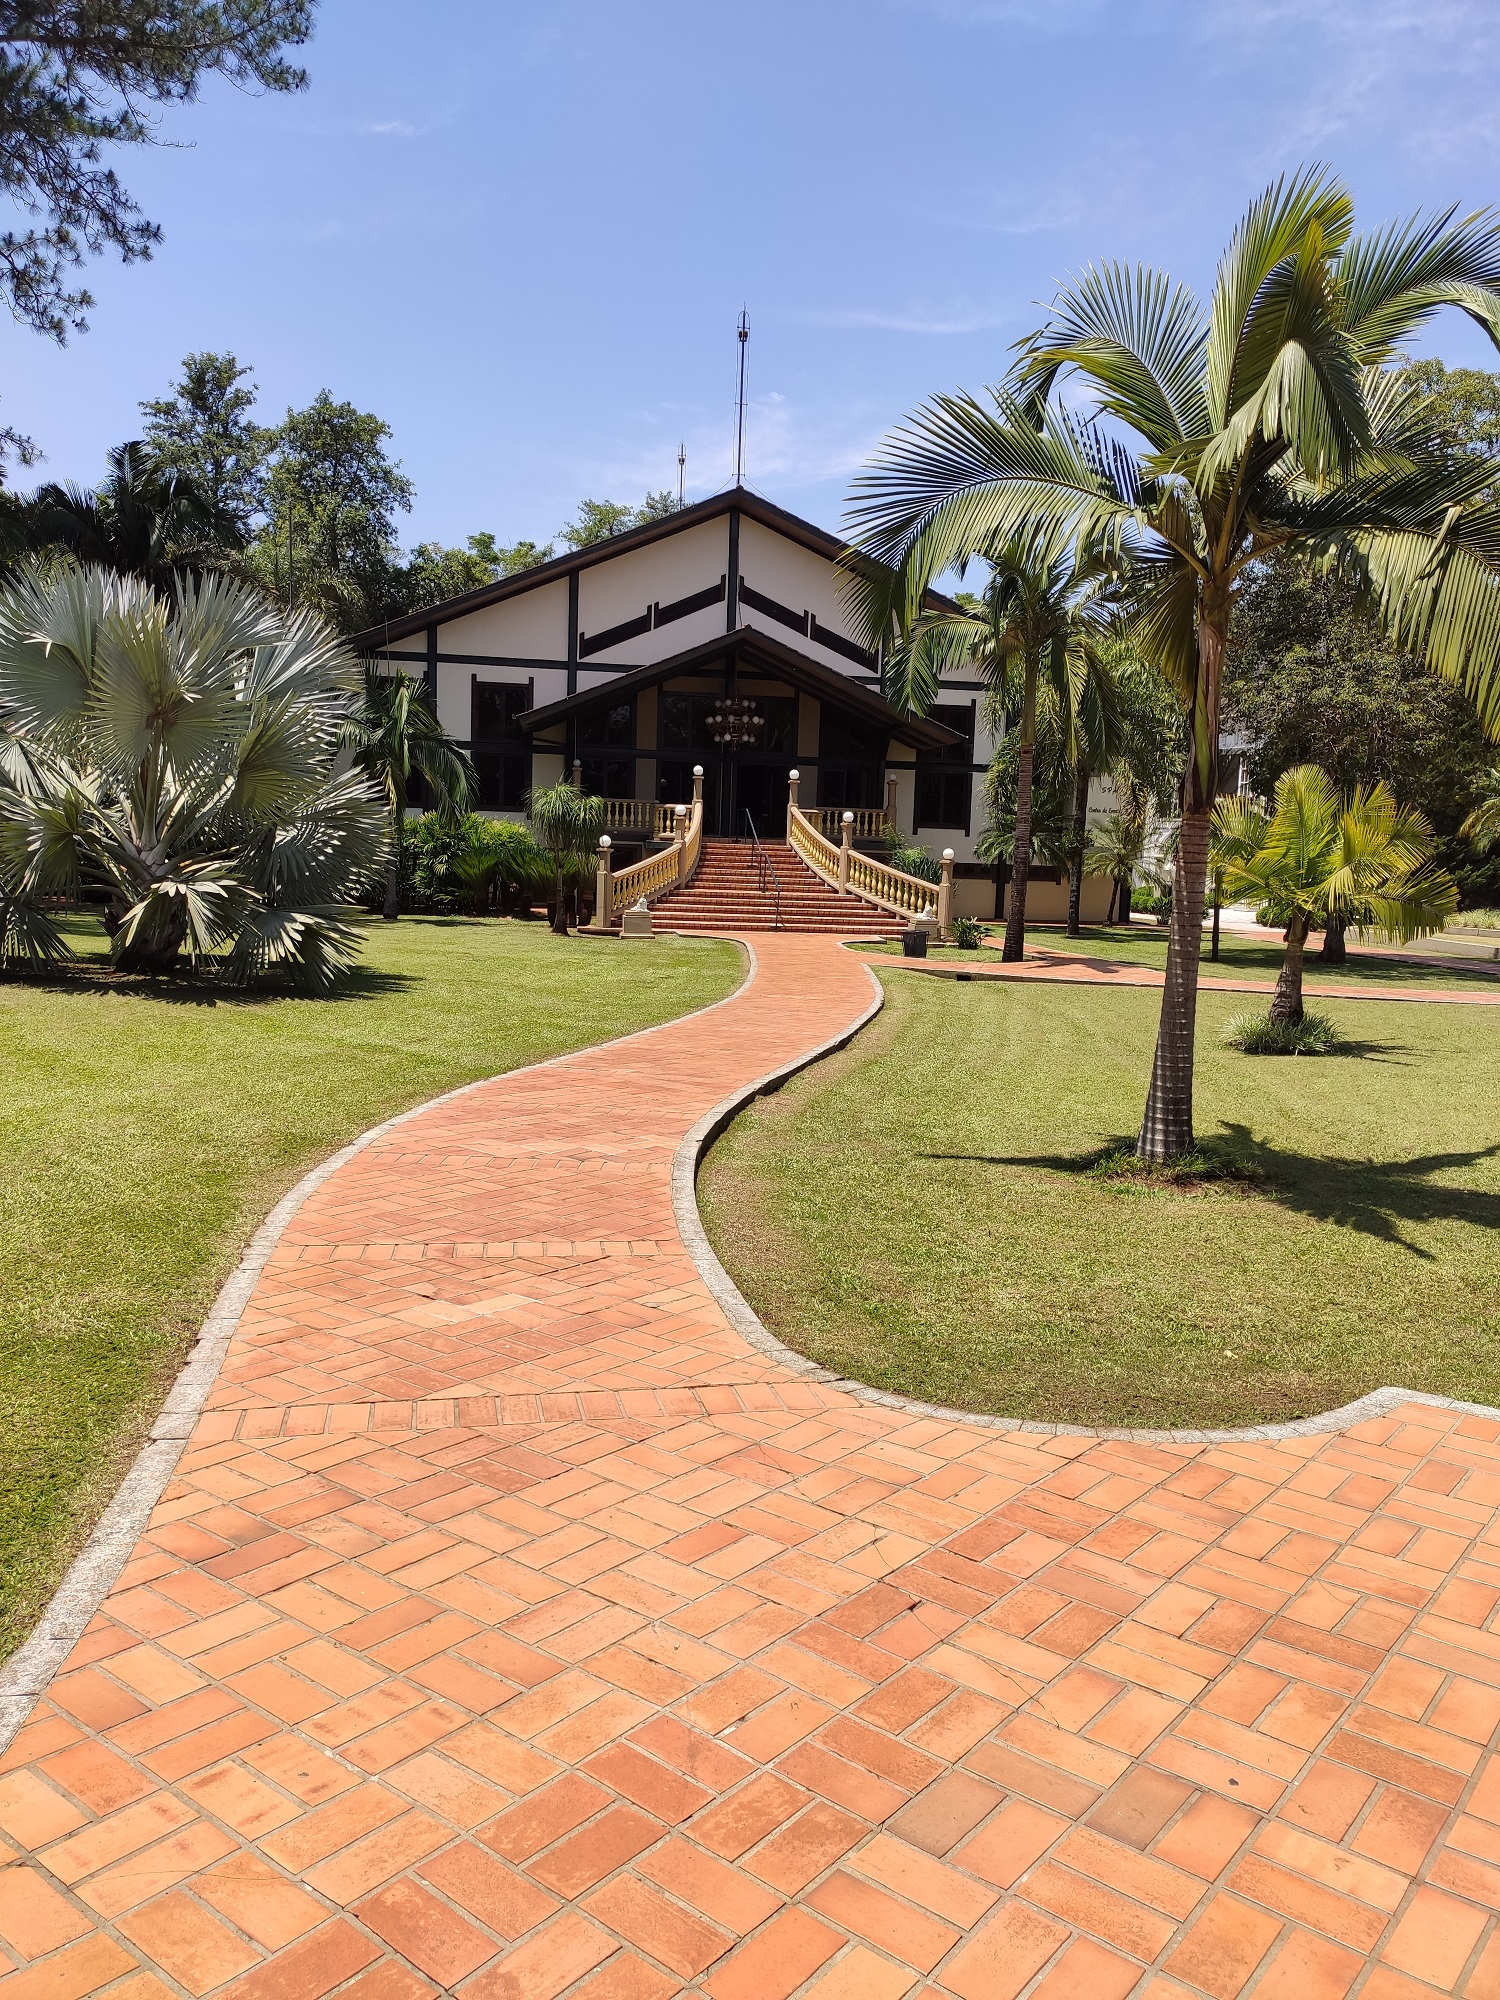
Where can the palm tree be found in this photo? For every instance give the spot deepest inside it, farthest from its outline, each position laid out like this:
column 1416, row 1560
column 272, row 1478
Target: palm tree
column 180, row 755
column 146, row 520
column 1482, row 826
column 567, row 824
column 1097, row 737
column 1363, row 858
column 1116, row 845
column 395, row 734
column 1284, row 417
column 1036, row 621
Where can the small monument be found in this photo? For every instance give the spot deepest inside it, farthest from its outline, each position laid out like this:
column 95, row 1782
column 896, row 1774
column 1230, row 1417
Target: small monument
column 636, row 922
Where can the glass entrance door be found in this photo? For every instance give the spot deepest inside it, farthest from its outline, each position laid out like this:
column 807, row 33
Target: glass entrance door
column 760, row 791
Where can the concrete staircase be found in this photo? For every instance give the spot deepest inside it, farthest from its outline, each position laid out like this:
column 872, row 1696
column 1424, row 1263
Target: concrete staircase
column 725, row 895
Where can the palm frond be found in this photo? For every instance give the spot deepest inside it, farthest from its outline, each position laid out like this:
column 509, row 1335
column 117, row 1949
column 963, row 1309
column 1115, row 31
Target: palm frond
column 1137, row 340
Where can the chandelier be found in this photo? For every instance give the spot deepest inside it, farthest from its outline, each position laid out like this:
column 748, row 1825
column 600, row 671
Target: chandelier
column 735, row 721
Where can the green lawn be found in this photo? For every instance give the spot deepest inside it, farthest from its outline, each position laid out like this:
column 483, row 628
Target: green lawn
column 1239, row 958
column 911, row 1212
column 145, row 1133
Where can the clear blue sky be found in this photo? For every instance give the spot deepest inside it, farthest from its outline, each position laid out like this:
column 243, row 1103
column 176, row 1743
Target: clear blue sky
column 522, row 233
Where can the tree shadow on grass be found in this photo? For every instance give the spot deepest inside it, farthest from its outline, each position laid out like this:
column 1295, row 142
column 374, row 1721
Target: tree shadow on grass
column 187, row 989
column 1378, row 1198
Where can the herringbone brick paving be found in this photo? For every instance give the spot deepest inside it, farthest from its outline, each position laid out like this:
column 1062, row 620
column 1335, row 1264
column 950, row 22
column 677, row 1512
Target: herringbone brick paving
column 512, row 1628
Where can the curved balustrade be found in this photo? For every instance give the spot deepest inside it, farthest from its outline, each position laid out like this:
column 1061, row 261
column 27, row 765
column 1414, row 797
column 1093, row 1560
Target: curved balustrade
column 874, row 881
column 870, row 822
column 672, row 868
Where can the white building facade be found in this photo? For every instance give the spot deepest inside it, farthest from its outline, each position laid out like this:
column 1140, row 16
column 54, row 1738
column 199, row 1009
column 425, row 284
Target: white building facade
column 612, row 657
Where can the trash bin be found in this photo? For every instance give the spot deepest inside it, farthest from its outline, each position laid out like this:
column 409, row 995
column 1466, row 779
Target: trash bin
column 914, row 944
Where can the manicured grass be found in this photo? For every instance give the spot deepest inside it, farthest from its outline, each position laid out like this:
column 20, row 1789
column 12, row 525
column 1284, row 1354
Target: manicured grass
column 1239, row 958
column 911, row 1212
column 145, row 1133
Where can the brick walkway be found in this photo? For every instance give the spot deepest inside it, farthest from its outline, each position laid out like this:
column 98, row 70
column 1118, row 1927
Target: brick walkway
column 512, row 1628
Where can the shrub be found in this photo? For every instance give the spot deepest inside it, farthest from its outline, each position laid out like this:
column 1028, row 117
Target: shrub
column 968, row 933
column 1477, row 920
column 1259, row 1035
column 458, row 863
column 911, row 859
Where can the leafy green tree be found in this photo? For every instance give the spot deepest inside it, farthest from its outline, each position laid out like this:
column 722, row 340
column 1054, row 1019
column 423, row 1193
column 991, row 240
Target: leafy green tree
column 77, row 76
column 1309, row 677
column 145, row 520
column 395, row 735
column 508, row 561
column 1464, row 404
column 1282, row 417
column 1318, row 851
column 182, row 755
column 332, row 494
column 566, row 824
column 204, row 431
column 599, row 519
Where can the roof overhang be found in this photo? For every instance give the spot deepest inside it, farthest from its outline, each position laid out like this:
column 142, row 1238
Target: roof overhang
column 375, row 638
column 752, row 652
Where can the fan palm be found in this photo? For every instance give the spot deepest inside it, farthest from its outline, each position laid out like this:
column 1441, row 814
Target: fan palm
column 180, row 756
column 567, row 823
column 1315, row 854
column 395, row 734
column 1280, row 418
column 1034, row 623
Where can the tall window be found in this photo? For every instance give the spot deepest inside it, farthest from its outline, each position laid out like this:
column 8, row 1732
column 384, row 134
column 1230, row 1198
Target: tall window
column 849, row 757
column 601, row 737
column 500, row 747
column 945, row 778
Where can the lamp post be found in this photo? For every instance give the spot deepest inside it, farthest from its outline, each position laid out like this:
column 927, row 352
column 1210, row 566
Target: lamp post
column 604, row 883
column 846, row 852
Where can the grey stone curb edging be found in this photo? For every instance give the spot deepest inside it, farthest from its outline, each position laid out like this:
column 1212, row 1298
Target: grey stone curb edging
column 746, row 1322
column 26, row 1675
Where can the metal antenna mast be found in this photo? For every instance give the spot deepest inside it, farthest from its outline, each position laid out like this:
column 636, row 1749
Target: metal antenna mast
column 739, row 425
column 681, row 472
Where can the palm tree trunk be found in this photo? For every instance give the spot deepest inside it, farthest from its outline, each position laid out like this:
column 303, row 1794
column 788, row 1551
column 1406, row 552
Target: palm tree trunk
column 1286, row 1001
column 1334, row 951
column 1167, row 1124
column 1121, row 911
column 1080, row 835
column 1020, row 867
column 393, row 870
column 1218, row 905
column 560, row 908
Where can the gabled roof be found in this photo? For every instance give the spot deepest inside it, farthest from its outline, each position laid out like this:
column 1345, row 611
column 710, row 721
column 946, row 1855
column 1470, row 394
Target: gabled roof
column 754, row 650
column 750, row 504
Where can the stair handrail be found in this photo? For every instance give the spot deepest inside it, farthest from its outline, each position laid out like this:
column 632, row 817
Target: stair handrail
column 764, row 867
column 673, row 867
column 877, row 882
